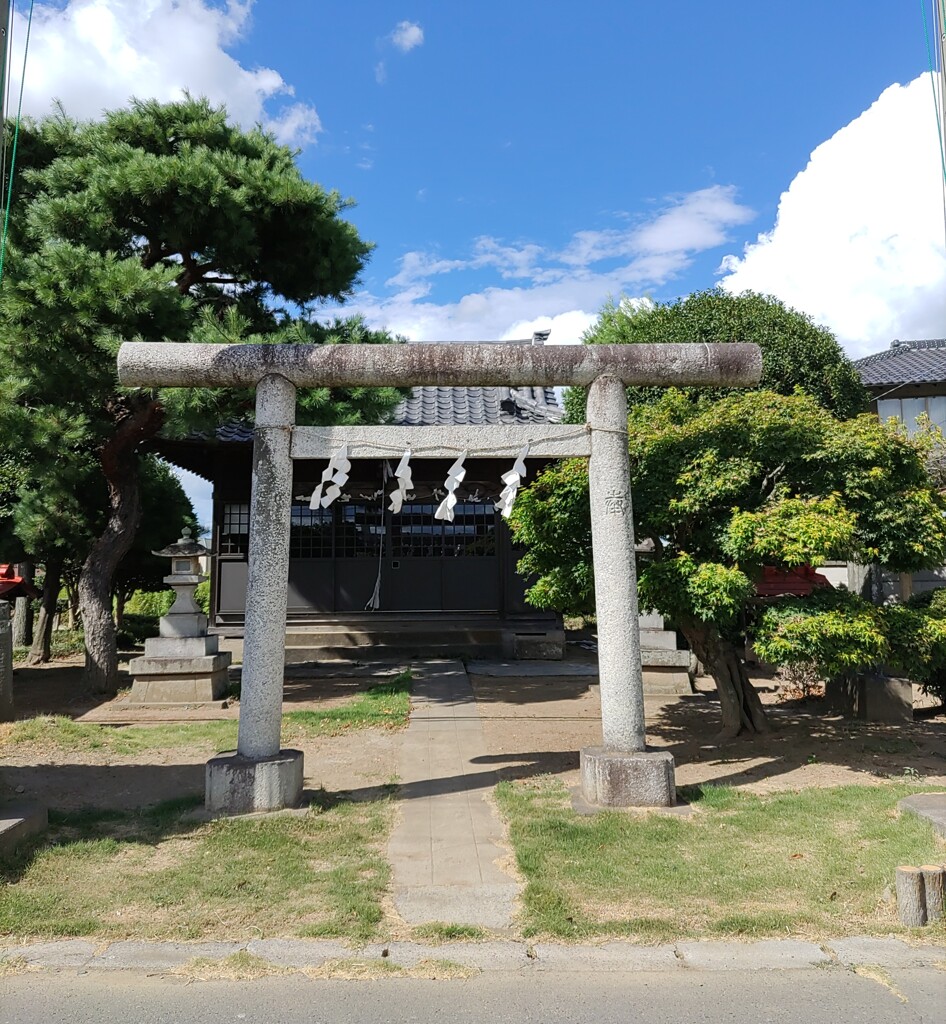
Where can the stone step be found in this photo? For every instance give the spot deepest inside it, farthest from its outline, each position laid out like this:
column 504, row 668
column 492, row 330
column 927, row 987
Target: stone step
column 385, row 638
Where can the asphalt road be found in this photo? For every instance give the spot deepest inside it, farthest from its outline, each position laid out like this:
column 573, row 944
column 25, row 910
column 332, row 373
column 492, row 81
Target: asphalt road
column 832, row 995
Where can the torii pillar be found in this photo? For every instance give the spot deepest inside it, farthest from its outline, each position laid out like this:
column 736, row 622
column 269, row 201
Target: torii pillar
column 621, row 771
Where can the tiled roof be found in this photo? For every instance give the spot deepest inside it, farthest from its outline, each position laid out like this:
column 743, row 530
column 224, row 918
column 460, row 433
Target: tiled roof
column 443, row 407
column 905, row 362
column 435, row 407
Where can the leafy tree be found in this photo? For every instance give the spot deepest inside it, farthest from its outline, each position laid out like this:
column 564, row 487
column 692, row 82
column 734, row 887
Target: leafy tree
column 162, row 221
column 796, row 352
column 724, row 487
column 842, row 636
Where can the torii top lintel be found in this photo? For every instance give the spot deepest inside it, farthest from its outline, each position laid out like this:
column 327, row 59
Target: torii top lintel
column 442, row 364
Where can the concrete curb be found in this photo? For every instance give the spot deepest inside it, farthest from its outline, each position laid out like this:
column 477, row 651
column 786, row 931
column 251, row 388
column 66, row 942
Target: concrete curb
column 931, row 806
column 83, row 956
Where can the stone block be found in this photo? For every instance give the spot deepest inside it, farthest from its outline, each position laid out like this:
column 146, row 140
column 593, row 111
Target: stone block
column 180, row 689
column 657, row 640
column 879, row 698
column 179, row 680
column 654, row 658
column 183, row 625
column 931, row 806
column 20, row 820
column 547, row 647
column 611, row 778
column 243, row 785
column 664, row 681
column 181, row 646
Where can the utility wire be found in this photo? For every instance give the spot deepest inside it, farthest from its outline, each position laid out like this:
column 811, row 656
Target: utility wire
column 938, row 11
column 5, row 73
column 16, row 137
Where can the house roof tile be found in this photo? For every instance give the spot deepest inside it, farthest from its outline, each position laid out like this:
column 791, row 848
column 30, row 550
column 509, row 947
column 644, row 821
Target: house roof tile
column 905, row 362
column 436, row 407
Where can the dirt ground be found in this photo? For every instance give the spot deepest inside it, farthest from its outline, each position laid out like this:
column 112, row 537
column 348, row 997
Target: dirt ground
column 356, row 764
column 536, row 726
column 532, row 726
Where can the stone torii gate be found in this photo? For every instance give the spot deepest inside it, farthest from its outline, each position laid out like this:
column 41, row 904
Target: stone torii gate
column 619, row 772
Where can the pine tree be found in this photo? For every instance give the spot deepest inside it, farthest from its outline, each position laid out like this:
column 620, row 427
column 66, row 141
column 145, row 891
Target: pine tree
column 160, row 222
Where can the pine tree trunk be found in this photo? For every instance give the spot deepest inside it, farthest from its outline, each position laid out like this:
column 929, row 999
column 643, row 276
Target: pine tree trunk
column 142, row 420
column 120, row 609
column 742, row 710
column 23, row 617
column 42, row 636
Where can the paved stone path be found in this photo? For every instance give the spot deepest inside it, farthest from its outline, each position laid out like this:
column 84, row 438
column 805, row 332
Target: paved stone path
column 445, row 848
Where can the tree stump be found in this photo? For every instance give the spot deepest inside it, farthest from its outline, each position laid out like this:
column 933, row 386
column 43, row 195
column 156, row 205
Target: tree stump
column 934, row 883
column 911, row 898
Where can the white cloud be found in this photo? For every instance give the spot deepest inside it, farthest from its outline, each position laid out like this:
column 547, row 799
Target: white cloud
column 695, row 221
column 859, row 238
column 559, row 288
column 380, row 73
column 567, row 328
column 407, row 35
column 94, row 55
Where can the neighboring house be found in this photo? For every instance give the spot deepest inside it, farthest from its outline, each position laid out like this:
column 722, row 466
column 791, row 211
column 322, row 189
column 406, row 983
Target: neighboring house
column 908, row 381
column 359, row 574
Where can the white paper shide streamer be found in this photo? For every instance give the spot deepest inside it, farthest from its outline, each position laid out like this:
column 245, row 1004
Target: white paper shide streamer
column 455, row 475
column 404, row 483
column 512, row 480
column 334, row 478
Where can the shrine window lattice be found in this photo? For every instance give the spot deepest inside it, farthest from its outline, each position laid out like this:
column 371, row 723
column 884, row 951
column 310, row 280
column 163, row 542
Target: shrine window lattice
column 357, row 530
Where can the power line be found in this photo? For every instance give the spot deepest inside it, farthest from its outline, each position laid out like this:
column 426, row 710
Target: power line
column 16, row 137
column 939, row 99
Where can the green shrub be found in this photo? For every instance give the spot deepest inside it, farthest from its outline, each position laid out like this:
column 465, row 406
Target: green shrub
column 136, row 629
column 202, row 596
column 153, row 604
column 66, row 641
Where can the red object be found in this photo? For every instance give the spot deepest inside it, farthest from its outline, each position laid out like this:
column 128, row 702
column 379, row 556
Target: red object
column 795, row 582
column 12, row 586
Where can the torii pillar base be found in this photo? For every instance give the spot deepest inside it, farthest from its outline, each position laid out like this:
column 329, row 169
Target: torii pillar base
column 248, row 785
column 612, row 778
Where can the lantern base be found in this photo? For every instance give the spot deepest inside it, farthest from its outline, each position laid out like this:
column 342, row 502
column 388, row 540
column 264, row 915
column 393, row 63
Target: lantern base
column 180, row 680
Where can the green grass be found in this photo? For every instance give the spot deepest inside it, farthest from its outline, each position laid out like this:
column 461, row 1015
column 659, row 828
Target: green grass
column 158, row 874
column 384, row 706
column 59, row 735
column 814, row 862
column 387, row 706
column 437, row 931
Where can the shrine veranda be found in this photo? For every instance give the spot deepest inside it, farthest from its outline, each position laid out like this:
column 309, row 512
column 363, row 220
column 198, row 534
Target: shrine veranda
column 621, row 771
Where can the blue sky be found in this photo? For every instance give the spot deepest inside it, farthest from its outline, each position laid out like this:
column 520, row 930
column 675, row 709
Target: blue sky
column 517, row 163
column 530, row 122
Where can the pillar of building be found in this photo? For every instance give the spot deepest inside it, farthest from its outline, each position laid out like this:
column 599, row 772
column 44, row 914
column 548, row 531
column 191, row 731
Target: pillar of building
column 260, row 776
column 621, row 772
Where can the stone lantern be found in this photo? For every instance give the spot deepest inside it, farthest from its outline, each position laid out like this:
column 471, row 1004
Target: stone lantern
column 182, row 665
